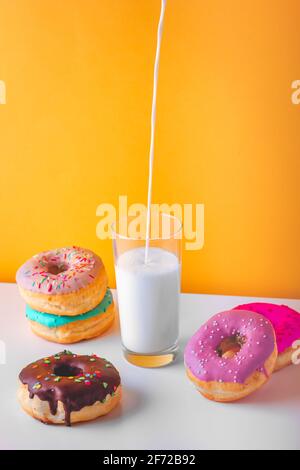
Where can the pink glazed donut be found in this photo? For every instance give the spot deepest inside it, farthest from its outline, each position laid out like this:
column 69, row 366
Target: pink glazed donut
column 286, row 323
column 67, row 281
column 231, row 356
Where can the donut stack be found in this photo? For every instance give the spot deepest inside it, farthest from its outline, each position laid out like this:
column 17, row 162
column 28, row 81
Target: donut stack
column 67, row 295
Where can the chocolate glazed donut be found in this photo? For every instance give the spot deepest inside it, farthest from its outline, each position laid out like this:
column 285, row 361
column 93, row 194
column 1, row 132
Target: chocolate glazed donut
column 72, row 382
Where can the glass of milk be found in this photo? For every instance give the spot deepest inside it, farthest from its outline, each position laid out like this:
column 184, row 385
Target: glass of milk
column 148, row 274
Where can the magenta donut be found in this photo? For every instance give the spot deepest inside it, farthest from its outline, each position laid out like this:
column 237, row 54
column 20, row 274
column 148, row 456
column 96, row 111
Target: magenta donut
column 286, row 323
column 249, row 366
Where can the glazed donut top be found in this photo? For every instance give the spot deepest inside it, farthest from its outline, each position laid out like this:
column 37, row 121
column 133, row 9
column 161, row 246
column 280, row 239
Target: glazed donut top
column 76, row 381
column 253, row 333
column 286, row 322
column 60, row 271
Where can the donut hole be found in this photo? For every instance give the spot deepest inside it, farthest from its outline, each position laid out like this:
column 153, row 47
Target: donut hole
column 230, row 346
column 67, row 370
column 56, row 268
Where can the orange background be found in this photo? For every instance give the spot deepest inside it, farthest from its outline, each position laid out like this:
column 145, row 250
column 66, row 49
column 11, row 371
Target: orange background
column 75, row 130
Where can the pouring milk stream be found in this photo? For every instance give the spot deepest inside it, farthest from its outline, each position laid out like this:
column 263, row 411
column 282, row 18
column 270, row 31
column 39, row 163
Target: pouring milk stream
column 148, row 278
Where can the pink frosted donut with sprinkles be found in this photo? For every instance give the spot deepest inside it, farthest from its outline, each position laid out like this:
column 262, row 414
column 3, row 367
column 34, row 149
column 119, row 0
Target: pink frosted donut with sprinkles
column 66, row 281
column 286, row 323
column 231, row 356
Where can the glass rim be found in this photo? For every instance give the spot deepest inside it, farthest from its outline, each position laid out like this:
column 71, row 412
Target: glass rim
column 116, row 235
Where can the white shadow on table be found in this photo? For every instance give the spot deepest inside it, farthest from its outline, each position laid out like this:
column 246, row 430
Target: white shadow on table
column 282, row 388
column 182, row 344
column 132, row 402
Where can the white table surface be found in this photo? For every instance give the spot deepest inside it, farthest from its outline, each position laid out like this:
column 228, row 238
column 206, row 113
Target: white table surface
column 160, row 408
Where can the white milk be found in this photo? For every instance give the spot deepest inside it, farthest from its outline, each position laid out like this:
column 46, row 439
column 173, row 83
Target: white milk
column 148, row 296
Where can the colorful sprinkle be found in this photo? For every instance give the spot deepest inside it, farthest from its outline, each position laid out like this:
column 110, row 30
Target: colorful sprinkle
column 105, row 385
